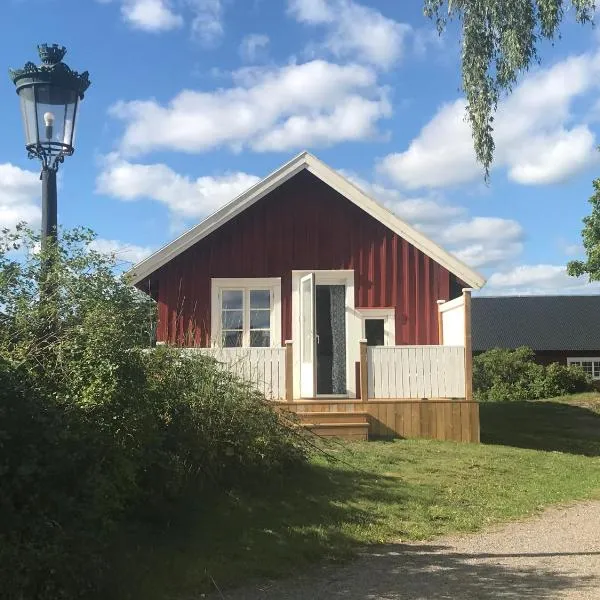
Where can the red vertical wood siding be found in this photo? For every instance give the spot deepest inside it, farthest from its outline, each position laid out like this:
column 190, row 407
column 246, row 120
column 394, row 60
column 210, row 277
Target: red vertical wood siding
column 303, row 225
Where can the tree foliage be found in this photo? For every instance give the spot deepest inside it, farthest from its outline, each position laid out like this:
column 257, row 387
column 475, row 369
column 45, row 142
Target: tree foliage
column 96, row 430
column 501, row 375
column 591, row 240
column 500, row 39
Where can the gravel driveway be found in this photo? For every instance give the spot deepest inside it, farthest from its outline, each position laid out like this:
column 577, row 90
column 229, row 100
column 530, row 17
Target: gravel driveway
column 556, row 555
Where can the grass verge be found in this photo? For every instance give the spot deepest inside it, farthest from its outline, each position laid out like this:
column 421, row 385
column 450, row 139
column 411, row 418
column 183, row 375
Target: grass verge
column 382, row 491
column 566, row 424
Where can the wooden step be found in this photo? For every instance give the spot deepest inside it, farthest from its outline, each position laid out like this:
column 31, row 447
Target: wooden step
column 345, row 431
column 332, row 417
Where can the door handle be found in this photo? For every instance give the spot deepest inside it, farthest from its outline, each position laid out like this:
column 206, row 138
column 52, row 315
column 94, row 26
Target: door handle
column 317, row 337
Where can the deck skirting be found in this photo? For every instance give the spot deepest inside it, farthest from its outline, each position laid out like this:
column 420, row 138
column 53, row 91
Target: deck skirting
column 440, row 419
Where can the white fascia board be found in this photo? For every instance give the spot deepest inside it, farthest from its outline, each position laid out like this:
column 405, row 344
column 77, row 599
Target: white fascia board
column 227, row 212
column 390, row 220
column 307, row 161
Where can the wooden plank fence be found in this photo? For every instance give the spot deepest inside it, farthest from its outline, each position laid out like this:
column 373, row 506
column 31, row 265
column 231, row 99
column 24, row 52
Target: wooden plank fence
column 416, row 372
column 264, row 368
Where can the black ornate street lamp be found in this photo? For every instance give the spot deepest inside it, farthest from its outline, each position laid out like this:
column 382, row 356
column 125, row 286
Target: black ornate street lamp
column 50, row 94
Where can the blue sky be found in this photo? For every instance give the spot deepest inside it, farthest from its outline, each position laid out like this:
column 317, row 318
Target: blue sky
column 193, row 100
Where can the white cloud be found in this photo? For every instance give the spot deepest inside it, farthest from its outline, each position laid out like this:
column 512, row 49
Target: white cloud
column 353, row 119
column 553, row 157
column 311, row 11
column 477, row 241
column 130, row 253
column 482, row 228
column 429, row 214
column 484, row 241
column 426, row 38
column 207, row 21
column 268, row 108
column 534, row 136
column 538, row 279
column 354, row 30
column 150, row 15
column 572, row 250
column 185, row 197
column 441, row 155
column 488, row 253
column 204, row 17
column 19, row 196
column 425, row 212
column 253, row 47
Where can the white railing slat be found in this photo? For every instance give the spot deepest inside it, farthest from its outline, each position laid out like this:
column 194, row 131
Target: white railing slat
column 264, row 368
column 416, row 372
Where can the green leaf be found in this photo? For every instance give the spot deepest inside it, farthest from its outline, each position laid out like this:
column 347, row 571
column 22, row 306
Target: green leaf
column 500, row 39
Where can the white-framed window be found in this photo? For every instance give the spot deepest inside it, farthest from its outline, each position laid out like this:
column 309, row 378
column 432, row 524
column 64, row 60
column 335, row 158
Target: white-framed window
column 378, row 326
column 591, row 365
column 246, row 313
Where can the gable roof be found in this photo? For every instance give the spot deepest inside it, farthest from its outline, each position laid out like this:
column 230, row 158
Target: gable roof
column 305, row 161
column 540, row 322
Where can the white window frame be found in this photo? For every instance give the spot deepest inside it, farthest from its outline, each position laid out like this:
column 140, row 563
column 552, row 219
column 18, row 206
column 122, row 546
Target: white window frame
column 389, row 322
column 219, row 284
column 577, row 360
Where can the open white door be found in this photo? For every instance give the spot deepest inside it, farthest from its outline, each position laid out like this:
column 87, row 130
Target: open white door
column 308, row 351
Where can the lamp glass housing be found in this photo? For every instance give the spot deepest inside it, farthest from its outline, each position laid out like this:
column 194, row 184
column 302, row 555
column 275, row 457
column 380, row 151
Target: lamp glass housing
column 38, row 99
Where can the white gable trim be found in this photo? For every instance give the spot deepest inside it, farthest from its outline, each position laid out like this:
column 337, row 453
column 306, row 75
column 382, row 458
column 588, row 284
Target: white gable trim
column 326, row 174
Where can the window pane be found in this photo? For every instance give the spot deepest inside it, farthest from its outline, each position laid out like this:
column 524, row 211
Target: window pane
column 260, row 339
column 27, row 99
column 596, row 370
column 260, row 299
column 260, row 319
column 232, row 319
column 374, row 332
column 232, row 339
column 59, row 103
column 587, row 367
column 233, row 299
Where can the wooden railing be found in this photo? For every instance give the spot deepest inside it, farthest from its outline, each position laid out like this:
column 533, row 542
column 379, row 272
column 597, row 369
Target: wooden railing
column 416, row 372
column 264, row 368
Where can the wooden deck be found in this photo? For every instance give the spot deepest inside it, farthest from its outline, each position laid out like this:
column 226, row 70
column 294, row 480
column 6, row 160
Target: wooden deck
column 440, row 419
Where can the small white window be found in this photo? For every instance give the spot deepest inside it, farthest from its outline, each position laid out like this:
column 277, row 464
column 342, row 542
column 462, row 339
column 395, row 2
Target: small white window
column 590, row 365
column 246, row 313
column 375, row 332
column 378, row 326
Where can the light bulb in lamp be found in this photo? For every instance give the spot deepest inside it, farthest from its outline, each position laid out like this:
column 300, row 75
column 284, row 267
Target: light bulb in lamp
column 49, row 122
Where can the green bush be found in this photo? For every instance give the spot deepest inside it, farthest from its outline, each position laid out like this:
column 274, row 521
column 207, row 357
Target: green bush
column 563, row 379
column 95, row 428
column 216, row 429
column 512, row 375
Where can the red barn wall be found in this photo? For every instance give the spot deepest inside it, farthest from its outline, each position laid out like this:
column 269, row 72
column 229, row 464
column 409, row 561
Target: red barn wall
column 303, row 225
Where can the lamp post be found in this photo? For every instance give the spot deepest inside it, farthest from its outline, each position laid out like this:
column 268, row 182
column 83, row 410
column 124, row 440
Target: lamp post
column 49, row 94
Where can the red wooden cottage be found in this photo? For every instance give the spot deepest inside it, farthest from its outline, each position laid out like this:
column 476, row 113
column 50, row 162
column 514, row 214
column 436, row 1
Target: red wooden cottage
column 326, row 299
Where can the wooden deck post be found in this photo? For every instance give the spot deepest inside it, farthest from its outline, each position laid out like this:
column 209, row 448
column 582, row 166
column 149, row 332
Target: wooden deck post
column 364, row 372
column 468, row 347
column 289, row 371
column 440, row 323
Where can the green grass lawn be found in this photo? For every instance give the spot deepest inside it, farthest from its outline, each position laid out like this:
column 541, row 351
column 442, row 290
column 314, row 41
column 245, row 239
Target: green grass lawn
column 535, row 454
column 567, row 424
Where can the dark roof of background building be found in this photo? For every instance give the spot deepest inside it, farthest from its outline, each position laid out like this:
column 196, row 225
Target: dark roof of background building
column 540, row 322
